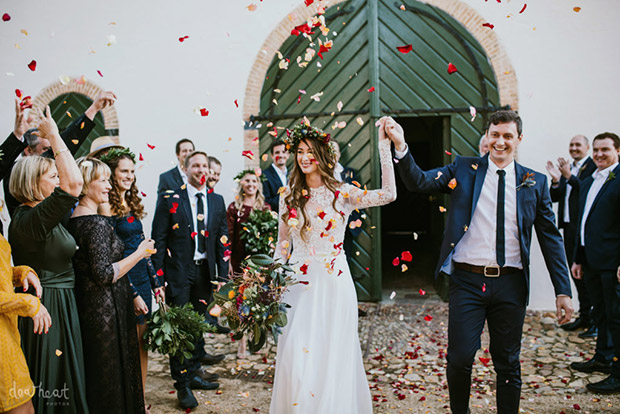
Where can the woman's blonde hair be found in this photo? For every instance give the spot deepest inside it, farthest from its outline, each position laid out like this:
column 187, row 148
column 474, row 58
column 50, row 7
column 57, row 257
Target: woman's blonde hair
column 25, row 178
column 259, row 202
column 91, row 169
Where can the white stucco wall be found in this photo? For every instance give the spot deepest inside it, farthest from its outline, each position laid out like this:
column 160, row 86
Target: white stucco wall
column 566, row 65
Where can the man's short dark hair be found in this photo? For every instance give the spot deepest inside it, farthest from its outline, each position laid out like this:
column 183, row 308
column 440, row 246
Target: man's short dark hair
column 193, row 154
column 183, row 141
column 609, row 135
column 505, row 117
column 214, row 161
column 31, row 139
column 276, row 143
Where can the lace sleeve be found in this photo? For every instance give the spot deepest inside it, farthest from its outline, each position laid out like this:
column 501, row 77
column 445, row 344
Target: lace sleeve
column 283, row 247
column 98, row 240
column 359, row 198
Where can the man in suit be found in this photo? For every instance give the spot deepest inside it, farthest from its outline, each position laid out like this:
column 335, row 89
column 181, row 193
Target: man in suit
column 495, row 202
column 215, row 169
column 188, row 226
column 597, row 259
column 483, row 145
column 276, row 174
column 74, row 136
column 565, row 180
column 174, row 178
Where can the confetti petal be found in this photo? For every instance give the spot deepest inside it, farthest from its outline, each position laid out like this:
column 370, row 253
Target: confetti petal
column 392, row 295
column 403, row 268
column 484, row 287
column 183, row 38
column 523, row 9
column 58, row 352
column 428, row 318
column 100, row 74
column 372, row 89
column 150, row 146
column 131, row 219
column 422, row 292
column 396, row 261
column 576, row 9
column 252, row 7
column 405, row 49
column 451, row 69
column 452, row 184
column 32, row 65
column 6, row 17
column 236, row 103
column 485, row 361
column 406, row 256
column 248, row 154
column 160, row 273
column 472, row 112
column 489, row 25
column 204, row 112
column 18, row 93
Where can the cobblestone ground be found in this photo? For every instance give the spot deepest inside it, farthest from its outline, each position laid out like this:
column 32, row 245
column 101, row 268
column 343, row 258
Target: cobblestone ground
column 404, row 344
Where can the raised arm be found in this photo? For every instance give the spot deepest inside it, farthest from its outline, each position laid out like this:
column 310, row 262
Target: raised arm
column 283, row 247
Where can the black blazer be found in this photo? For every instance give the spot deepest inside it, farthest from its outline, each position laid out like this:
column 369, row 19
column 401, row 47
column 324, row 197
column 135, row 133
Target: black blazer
column 74, row 136
column 175, row 246
column 170, row 180
column 602, row 229
column 559, row 193
column 272, row 186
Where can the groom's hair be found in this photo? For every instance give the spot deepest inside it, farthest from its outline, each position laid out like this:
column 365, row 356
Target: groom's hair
column 611, row 136
column 506, row 117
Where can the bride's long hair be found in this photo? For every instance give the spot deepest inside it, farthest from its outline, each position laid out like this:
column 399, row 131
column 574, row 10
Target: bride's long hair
column 300, row 192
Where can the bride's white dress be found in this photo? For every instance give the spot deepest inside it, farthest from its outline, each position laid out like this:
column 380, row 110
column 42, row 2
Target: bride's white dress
column 319, row 368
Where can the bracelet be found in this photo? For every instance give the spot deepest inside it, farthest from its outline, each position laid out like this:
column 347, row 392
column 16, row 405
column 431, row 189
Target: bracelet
column 60, row 152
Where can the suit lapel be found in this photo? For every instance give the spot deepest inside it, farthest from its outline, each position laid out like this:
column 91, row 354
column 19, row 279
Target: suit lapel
column 187, row 209
column 481, row 172
column 519, row 176
column 604, row 188
column 210, row 211
column 177, row 176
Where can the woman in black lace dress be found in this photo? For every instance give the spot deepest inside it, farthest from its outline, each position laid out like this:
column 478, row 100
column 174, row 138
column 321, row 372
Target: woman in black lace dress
column 104, row 300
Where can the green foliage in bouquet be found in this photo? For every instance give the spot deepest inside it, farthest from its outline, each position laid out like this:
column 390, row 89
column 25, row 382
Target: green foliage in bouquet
column 173, row 330
column 260, row 232
column 252, row 301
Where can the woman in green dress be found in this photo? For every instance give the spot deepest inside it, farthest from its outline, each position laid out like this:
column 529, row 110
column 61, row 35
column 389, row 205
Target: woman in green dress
column 48, row 191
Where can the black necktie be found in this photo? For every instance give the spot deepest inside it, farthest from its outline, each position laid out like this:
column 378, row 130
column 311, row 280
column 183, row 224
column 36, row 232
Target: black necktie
column 200, row 223
column 499, row 241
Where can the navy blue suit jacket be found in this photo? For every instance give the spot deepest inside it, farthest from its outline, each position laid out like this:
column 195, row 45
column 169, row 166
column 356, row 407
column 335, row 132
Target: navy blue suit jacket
column 170, row 180
column 177, row 240
column 602, row 229
column 534, row 209
column 559, row 193
column 271, row 187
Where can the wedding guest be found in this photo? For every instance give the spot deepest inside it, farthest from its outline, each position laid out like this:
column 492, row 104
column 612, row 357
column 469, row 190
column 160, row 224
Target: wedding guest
column 483, row 145
column 215, row 169
column 104, row 299
column 16, row 387
column 276, row 174
column 125, row 205
column 47, row 191
column 485, row 251
column 174, row 178
column 597, row 259
column 74, row 136
column 566, row 179
column 188, row 227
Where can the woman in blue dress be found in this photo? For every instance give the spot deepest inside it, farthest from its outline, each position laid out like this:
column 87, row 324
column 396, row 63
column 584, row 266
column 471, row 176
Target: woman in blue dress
column 125, row 206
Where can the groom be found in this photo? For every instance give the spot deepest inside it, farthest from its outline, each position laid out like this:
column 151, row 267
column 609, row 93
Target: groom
column 495, row 202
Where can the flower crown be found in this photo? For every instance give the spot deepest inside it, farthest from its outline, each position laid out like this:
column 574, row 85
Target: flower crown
column 242, row 174
column 117, row 153
column 305, row 130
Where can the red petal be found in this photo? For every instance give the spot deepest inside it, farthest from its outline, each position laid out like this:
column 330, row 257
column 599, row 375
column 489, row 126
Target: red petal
column 308, row 2
column 396, row 261
column 160, row 273
column 405, row 49
column 193, row 234
column 143, row 193
column 372, row 89
column 489, row 25
column 428, row 318
column 484, row 287
column 322, row 215
column 18, row 93
column 100, row 74
column 248, row 154
column 6, row 17
column 203, row 179
column 299, row 99
column 576, row 406
column 140, row 157
column 32, row 65
column 406, row 256
column 523, row 9
column 448, row 152
column 485, row 361
column 204, row 112
column 451, row 68
column 131, row 219
column 150, row 146
column 236, row 103
column 182, row 39
column 422, row 292
column 304, row 269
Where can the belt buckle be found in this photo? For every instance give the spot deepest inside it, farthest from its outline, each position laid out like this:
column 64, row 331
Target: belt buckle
column 496, row 269
column 199, row 262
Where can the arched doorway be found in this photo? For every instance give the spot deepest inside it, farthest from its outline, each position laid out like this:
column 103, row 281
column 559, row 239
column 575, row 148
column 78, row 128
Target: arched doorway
column 367, row 73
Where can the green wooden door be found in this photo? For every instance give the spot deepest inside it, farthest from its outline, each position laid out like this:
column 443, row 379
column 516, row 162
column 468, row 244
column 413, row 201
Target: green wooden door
column 364, row 56
column 67, row 107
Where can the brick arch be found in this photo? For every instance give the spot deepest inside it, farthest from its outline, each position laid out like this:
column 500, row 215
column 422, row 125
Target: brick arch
column 87, row 88
column 461, row 12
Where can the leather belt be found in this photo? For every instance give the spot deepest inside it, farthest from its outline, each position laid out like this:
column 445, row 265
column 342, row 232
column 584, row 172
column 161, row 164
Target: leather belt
column 488, row 271
column 200, row 262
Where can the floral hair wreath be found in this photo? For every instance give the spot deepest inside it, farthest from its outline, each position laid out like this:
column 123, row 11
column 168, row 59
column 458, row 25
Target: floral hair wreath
column 305, row 130
column 243, row 173
column 117, row 153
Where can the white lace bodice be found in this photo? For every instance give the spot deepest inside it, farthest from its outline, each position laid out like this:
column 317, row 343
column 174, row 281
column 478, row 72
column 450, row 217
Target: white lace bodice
column 324, row 238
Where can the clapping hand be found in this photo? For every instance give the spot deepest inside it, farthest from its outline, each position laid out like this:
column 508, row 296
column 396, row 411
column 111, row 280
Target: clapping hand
column 564, row 166
column 47, row 127
column 554, row 172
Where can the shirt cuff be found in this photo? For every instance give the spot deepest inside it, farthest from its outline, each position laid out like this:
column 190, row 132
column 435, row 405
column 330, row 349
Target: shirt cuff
column 400, row 154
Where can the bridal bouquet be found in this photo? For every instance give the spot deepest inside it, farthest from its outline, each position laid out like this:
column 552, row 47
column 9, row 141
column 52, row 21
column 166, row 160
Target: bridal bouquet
column 260, row 232
column 252, row 301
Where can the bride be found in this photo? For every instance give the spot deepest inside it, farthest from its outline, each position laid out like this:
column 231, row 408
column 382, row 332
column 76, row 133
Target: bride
column 319, row 366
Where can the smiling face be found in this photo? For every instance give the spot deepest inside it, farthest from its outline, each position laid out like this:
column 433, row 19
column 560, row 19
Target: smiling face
column 124, row 174
column 215, row 170
column 503, row 140
column 185, row 149
column 249, row 184
column 98, row 189
column 305, row 158
column 197, row 170
column 49, row 181
column 280, row 155
column 604, row 153
column 578, row 147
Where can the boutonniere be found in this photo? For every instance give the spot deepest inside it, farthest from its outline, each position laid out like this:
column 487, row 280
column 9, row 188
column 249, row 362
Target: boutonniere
column 611, row 176
column 528, row 181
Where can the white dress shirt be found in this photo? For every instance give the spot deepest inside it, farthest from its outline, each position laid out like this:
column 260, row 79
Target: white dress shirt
column 183, row 175
column 193, row 199
column 574, row 170
column 599, row 179
column 281, row 174
column 478, row 245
